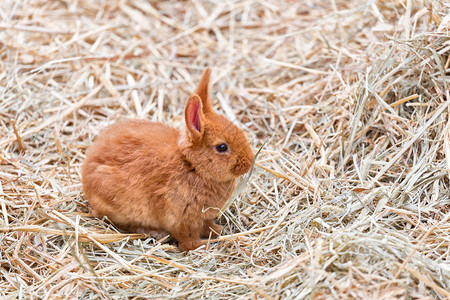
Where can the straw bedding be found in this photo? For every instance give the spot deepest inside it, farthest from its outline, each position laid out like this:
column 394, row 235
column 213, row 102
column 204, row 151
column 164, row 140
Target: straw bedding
column 348, row 101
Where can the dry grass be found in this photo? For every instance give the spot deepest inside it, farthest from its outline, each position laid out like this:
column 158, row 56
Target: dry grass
column 350, row 194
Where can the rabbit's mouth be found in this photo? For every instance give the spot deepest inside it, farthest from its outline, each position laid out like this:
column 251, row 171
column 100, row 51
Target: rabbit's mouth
column 242, row 166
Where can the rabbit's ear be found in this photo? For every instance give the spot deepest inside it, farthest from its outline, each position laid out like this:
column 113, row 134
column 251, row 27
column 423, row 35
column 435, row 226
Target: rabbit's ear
column 194, row 118
column 203, row 91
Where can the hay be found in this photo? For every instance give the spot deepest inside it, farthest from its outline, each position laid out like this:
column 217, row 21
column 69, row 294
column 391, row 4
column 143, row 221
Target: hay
column 349, row 197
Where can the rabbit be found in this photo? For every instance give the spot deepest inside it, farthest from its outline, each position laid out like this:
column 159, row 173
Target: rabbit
column 147, row 176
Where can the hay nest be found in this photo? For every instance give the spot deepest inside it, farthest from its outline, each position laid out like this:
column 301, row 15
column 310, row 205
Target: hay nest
column 349, row 197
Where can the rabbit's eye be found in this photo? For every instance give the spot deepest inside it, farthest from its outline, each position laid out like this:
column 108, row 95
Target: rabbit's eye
column 222, row 148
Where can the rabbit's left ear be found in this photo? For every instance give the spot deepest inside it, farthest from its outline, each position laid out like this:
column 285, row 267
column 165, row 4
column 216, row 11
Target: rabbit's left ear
column 203, row 91
column 194, row 118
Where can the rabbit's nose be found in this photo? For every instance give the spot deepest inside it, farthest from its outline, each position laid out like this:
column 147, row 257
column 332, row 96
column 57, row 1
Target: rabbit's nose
column 242, row 166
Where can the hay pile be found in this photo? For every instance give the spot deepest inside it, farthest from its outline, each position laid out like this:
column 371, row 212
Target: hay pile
column 349, row 197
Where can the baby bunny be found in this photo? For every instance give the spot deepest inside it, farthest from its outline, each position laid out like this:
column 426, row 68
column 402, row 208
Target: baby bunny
column 146, row 176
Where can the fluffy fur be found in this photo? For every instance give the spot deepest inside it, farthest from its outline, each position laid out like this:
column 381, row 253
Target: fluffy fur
column 147, row 176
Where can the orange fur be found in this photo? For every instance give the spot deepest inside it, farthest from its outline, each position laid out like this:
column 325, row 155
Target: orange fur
column 147, row 176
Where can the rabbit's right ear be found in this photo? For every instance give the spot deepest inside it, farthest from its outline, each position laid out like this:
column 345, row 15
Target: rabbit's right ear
column 194, row 118
column 203, row 91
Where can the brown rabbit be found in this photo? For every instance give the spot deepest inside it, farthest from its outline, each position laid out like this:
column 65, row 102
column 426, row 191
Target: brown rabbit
column 147, row 176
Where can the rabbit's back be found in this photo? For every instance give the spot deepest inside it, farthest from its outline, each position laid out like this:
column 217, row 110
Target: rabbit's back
column 126, row 170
